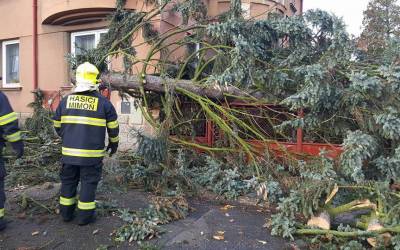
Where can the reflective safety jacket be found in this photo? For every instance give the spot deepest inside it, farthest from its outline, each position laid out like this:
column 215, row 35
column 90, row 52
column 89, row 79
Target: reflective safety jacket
column 9, row 130
column 81, row 120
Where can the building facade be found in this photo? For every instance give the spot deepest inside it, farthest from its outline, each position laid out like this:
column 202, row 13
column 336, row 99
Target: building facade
column 36, row 36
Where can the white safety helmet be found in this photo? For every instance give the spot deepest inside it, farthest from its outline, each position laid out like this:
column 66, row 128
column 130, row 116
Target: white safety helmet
column 86, row 78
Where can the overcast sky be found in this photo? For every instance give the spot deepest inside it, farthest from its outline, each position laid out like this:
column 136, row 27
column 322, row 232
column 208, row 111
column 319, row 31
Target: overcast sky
column 350, row 10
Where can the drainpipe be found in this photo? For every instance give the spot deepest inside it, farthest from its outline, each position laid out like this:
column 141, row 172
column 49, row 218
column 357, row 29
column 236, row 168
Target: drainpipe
column 35, row 45
column 301, row 7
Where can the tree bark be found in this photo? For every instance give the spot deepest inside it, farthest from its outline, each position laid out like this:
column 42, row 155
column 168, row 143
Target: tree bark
column 157, row 84
column 395, row 229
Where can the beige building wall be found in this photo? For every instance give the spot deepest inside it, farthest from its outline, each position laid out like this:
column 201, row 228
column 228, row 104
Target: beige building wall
column 258, row 8
column 54, row 42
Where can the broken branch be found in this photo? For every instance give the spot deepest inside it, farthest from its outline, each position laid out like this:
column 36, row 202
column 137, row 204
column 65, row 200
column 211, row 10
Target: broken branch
column 157, row 84
column 395, row 229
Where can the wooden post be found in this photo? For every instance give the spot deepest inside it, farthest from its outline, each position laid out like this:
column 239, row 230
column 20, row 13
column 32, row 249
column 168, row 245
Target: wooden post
column 209, row 133
column 299, row 141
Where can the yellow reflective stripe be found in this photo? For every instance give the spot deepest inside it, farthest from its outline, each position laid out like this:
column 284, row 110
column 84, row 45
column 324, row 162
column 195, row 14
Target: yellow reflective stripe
column 83, row 120
column 1, row 212
column 5, row 119
column 67, row 201
column 57, row 124
column 114, row 139
column 82, row 152
column 13, row 137
column 113, row 124
column 86, row 205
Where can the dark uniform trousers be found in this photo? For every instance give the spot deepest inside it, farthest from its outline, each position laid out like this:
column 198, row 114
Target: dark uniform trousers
column 89, row 177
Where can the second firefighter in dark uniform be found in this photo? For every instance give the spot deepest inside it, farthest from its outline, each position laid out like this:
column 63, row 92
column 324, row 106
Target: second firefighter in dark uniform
column 9, row 132
column 81, row 120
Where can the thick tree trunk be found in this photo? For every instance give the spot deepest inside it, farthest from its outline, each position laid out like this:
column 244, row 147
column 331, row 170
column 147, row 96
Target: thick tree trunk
column 157, row 84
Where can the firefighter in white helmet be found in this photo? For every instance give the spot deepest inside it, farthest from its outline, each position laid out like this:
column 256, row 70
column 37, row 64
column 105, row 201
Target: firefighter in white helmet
column 81, row 120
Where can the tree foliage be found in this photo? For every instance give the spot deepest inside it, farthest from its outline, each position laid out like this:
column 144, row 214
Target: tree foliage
column 381, row 24
column 302, row 62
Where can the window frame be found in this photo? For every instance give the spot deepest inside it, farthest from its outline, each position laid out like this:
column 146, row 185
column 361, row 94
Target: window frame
column 5, row 83
column 246, row 10
column 97, row 33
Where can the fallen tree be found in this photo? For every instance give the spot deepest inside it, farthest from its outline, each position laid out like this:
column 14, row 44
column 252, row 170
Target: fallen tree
column 160, row 85
column 304, row 62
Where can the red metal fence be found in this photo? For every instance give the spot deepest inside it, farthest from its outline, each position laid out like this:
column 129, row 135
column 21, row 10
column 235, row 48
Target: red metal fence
column 265, row 117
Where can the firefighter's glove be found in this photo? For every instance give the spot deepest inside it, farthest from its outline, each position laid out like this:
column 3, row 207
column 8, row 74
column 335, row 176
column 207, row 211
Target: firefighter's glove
column 18, row 147
column 112, row 148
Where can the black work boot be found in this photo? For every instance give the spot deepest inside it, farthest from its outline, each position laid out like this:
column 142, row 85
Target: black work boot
column 85, row 217
column 67, row 212
column 3, row 224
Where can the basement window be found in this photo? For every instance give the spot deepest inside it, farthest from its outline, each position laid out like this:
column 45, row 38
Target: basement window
column 125, row 107
column 85, row 40
column 10, row 68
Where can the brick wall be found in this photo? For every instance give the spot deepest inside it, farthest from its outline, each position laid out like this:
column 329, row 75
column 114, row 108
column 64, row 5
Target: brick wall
column 129, row 123
column 130, row 120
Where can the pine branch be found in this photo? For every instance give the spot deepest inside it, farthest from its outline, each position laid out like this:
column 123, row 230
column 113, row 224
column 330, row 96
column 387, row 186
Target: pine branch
column 395, row 229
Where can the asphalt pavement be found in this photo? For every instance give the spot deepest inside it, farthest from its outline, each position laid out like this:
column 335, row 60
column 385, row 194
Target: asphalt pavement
column 211, row 225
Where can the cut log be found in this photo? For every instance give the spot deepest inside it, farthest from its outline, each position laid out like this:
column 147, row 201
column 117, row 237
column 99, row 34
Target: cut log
column 349, row 218
column 352, row 206
column 376, row 225
column 157, row 84
column 322, row 221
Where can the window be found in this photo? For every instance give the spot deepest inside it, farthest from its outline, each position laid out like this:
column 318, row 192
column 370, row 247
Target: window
column 194, row 46
column 85, row 40
column 10, row 59
column 246, row 10
column 197, row 49
column 293, row 6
